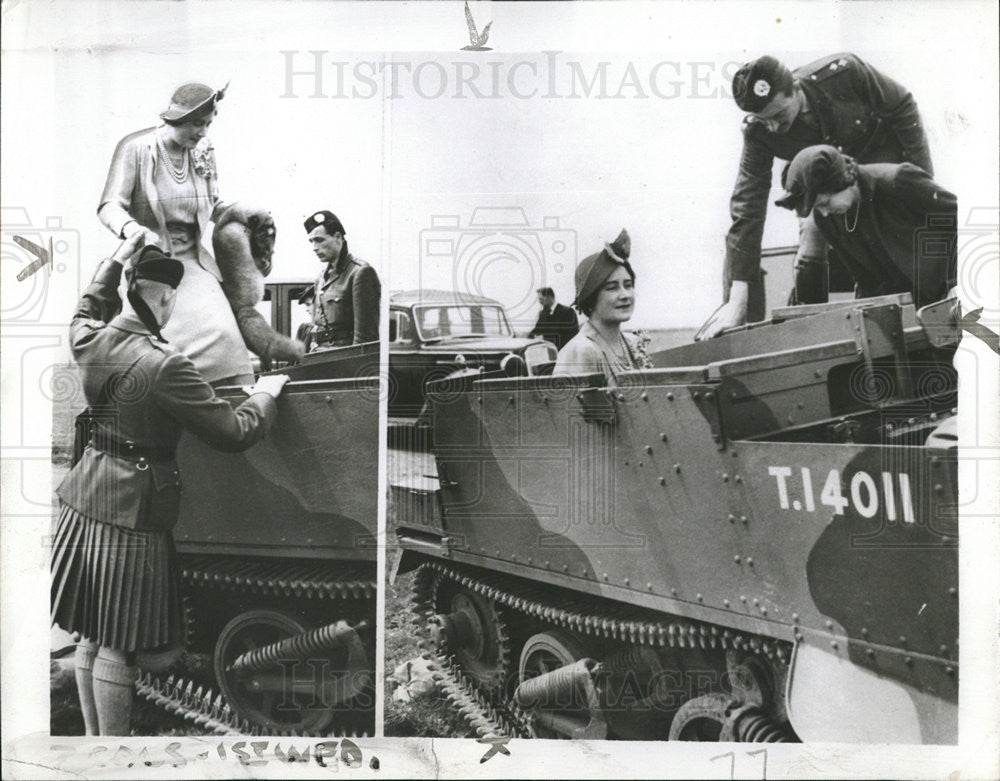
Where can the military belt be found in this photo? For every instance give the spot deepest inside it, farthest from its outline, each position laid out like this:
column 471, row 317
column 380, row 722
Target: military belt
column 123, row 448
column 335, row 336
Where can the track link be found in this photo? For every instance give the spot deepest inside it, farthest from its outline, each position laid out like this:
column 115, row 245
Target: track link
column 488, row 720
column 622, row 624
column 211, row 712
column 280, row 577
column 314, row 580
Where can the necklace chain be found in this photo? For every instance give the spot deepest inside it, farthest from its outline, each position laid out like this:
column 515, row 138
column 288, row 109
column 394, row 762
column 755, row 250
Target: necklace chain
column 180, row 174
column 857, row 214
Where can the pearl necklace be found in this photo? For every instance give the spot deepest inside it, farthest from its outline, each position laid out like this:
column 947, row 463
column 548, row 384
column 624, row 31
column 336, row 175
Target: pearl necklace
column 179, row 175
column 620, row 358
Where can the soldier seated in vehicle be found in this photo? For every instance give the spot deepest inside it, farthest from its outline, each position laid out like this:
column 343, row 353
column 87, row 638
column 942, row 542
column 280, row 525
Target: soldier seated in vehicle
column 893, row 225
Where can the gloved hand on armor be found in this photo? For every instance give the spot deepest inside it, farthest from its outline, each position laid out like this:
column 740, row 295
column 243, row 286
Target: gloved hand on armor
column 731, row 314
column 271, row 384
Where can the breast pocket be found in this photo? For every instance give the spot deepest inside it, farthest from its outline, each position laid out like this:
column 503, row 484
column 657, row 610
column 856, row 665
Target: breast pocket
column 336, row 304
column 859, row 131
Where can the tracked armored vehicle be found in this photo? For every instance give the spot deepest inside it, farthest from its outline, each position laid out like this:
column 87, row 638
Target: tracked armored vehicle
column 755, row 540
column 276, row 547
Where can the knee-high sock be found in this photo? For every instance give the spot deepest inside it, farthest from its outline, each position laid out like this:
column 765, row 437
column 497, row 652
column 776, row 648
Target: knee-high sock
column 84, row 665
column 114, row 688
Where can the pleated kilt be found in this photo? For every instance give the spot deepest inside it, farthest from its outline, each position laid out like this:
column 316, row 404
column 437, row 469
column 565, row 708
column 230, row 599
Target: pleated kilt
column 116, row 587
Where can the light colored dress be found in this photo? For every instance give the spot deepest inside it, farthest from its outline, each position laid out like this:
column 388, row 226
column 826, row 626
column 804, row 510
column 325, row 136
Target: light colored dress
column 179, row 207
column 589, row 353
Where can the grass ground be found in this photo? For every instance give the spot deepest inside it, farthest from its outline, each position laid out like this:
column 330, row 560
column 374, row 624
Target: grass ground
column 430, row 716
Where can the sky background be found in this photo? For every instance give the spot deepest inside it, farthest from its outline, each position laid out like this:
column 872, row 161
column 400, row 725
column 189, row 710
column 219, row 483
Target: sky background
column 409, row 163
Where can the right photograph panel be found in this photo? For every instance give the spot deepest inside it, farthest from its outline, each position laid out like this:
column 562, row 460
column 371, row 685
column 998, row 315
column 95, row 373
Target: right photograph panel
column 673, row 413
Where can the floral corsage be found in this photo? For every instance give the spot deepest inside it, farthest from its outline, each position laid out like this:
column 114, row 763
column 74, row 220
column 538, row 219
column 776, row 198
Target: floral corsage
column 203, row 156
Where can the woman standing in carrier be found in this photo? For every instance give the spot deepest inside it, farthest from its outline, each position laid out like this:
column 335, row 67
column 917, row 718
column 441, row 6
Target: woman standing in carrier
column 163, row 182
column 113, row 578
column 605, row 295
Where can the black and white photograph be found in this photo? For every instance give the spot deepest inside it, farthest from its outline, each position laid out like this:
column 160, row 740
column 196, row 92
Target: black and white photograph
column 500, row 389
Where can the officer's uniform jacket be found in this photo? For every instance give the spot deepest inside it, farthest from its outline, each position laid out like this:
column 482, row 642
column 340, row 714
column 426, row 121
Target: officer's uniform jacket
column 345, row 305
column 142, row 393
column 852, row 107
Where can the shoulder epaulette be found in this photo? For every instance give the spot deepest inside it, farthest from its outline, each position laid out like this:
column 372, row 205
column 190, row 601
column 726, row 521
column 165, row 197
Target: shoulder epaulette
column 827, row 68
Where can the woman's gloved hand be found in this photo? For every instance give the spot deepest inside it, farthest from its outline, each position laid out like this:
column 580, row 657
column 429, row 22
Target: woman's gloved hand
column 132, row 228
column 271, row 384
column 130, row 246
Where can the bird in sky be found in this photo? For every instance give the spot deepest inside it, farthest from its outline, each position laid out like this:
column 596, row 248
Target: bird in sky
column 477, row 41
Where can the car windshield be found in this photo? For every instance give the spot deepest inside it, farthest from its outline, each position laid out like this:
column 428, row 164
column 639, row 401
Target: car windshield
column 458, row 320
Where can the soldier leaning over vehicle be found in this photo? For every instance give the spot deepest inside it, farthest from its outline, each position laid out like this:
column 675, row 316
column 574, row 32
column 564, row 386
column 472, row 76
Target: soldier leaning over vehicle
column 839, row 100
column 875, row 217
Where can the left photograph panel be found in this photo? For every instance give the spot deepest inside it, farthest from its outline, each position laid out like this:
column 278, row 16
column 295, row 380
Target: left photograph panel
column 211, row 290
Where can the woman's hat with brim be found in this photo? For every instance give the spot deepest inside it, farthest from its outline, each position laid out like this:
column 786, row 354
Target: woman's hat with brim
column 594, row 270
column 191, row 99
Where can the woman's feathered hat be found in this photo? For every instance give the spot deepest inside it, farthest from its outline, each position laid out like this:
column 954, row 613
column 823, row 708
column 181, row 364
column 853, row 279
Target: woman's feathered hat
column 190, row 100
column 593, row 270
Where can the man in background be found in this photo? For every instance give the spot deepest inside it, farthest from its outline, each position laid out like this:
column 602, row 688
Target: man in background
column 556, row 323
column 345, row 298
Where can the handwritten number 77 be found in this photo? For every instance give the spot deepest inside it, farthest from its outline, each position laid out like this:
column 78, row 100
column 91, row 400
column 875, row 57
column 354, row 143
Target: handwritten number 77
column 732, row 761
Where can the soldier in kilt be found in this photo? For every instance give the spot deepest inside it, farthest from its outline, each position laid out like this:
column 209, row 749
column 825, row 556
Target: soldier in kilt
column 113, row 571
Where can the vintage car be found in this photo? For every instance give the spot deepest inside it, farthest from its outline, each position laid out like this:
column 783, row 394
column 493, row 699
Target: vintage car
column 434, row 334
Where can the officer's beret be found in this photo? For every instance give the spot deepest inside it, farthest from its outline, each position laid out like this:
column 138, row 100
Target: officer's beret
column 153, row 264
column 327, row 219
column 814, row 170
column 594, row 270
column 757, row 82
column 191, row 101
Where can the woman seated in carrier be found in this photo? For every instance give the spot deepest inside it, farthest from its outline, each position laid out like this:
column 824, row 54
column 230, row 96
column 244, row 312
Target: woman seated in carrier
column 605, row 295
